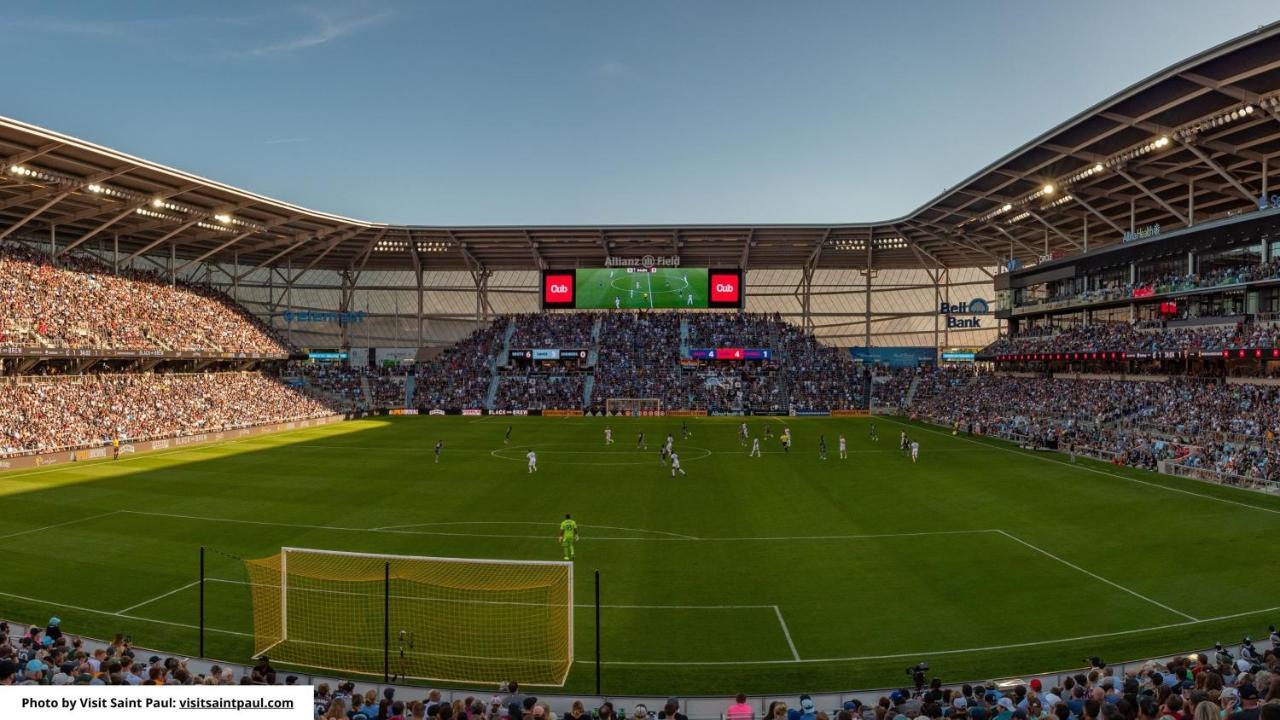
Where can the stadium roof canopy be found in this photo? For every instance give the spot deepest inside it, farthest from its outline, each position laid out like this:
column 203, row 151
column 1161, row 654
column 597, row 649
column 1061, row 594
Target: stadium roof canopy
column 1191, row 143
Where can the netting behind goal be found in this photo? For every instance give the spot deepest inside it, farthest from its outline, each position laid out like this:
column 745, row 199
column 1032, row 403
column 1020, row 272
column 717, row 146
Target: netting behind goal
column 633, row 407
column 451, row 619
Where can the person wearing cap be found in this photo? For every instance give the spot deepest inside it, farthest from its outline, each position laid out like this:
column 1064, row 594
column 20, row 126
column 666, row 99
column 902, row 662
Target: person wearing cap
column 1246, row 708
column 34, row 672
column 1004, row 709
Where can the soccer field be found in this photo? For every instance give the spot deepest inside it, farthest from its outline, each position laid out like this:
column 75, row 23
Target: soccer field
column 784, row 573
column 663, row 288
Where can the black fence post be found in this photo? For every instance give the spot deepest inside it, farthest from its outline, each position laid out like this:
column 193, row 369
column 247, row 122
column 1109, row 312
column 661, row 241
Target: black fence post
column 598, row 632
column 386, row 624
column 201, row 601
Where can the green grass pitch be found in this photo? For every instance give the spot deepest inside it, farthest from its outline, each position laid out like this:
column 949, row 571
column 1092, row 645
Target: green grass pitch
column 665, row 288
column 784, row 573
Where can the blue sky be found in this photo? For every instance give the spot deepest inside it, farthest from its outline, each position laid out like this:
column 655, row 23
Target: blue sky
column 588, row 112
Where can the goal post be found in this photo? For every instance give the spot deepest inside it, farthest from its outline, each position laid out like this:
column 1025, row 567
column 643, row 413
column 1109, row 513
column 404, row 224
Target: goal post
column 460, row 620
column 633, row 407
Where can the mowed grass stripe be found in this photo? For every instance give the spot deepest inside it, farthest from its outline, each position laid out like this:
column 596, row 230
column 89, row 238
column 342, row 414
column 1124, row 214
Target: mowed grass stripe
column 867, row 559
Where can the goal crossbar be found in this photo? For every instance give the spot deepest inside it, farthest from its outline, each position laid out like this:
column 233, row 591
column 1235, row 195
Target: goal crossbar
column 514, row 617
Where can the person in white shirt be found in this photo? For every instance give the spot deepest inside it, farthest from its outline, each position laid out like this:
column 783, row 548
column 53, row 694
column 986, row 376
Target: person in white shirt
column 617, row 303
column 844, row 448
column 755, row 448
column 533, row 461
column 608, row 435
column 915, row 451
column 675, row 465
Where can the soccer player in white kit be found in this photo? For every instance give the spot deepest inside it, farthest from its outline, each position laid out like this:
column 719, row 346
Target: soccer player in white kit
column 533, row 461
column 675, row 465
column 608, row 435
column 844, row 448
column 915, row 451
column 755, row 448
column 617, row 303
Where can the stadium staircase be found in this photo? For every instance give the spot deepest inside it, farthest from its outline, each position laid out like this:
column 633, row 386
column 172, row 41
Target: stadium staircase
column 684, row 337
column 364, row 388
column 911, row 392
column 410, row 387
column 595, row 330
column 588, row 385
column 505, row 352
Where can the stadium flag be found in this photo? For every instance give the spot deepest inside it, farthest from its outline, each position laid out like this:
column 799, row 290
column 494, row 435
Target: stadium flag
column 447, row 619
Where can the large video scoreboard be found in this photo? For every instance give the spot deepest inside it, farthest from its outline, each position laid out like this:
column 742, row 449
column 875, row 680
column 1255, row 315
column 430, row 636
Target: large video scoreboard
column 632, row 288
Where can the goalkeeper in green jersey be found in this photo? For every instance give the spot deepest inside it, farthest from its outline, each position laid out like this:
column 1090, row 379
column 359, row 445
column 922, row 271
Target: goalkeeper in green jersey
column 568, row 536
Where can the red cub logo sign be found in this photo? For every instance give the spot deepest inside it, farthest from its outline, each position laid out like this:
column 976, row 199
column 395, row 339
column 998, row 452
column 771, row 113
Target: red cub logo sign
column 557, row 289
column 724, row 288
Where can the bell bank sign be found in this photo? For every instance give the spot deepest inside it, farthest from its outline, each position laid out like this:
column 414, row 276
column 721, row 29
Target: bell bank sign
column 976, row 306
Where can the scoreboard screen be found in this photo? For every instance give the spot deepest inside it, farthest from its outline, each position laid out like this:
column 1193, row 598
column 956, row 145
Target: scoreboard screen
column 632, row 288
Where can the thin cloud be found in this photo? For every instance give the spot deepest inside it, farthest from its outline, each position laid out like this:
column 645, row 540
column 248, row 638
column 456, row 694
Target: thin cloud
column 328, row 29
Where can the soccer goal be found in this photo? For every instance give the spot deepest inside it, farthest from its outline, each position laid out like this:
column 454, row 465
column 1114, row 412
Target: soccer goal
column 633, row 407
column 429, row 618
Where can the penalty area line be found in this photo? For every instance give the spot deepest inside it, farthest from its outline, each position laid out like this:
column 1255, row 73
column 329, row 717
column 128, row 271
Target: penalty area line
column 189, row 585
column 1096, row 576
column 787, row 633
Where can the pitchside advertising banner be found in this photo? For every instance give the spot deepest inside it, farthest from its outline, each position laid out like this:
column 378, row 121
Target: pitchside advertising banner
column 108, row 702
column 642, row 286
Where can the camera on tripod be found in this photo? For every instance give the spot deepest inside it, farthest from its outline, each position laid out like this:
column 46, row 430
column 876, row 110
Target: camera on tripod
column 916, row 672
column 1222, row 655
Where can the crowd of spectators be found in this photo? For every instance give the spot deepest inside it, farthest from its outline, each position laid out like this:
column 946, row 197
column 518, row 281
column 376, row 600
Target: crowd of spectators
column 639, row 357
column 539, row 390
column 1227, row 428
column 340, row 383
column 461, row 376
column 553, row 330
column 1233, row 274
column 1202, row 686
column 45, row 414
column 1138, row 338
column 82, row 303
column 889, row 388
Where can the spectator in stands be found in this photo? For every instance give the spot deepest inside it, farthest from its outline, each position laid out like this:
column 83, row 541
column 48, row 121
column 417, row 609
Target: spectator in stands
column 82, row 303
column 739, row 710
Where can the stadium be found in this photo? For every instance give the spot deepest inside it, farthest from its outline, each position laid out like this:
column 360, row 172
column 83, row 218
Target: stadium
column 1020, row 443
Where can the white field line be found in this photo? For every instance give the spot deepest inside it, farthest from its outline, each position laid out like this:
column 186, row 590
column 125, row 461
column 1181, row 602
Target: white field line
column 989, row 648
column 790, row 643
column 503, row 522
column 1040, row 456
column 58, row 525
column 931, row 653
column 108, row 613
column 1095, row 576
column 191, row 584
column 687, row 538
